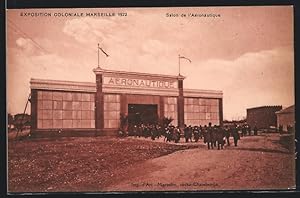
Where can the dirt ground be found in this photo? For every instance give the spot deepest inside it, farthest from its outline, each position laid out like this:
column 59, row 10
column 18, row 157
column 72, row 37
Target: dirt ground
column 139, row 164
column 78, row 163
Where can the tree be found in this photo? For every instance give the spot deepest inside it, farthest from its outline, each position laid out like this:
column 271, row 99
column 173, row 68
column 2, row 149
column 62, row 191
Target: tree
column 10, row 120
column 21, row 120
column 165, row 121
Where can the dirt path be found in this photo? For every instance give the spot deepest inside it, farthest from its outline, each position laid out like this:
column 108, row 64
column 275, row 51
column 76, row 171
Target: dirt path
column 77, row 163
column 259, row 162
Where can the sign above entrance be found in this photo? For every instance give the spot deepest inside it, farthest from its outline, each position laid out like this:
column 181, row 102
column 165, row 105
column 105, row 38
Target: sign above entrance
column 142, row 83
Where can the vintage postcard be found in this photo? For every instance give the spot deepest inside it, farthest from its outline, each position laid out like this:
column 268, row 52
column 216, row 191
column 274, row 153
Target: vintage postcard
column 150, row 99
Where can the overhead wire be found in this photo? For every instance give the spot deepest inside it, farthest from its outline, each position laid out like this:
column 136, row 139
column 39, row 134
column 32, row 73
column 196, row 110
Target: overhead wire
column 18, row 30
column 27, row 36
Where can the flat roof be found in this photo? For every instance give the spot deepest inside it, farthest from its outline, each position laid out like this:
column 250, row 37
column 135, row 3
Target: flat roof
column 141, row 74
column 62, row 85
column 290, row 109
column 265, row 107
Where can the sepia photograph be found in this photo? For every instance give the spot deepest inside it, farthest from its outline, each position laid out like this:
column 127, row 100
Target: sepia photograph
column 159, row 99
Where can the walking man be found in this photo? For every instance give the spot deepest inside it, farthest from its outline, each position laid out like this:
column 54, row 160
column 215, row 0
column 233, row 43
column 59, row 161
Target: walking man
column 227, row 135
column 235, row 135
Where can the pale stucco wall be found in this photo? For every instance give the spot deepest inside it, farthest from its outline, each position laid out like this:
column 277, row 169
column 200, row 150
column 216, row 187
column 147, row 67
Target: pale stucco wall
column 201, row 111
column 170, row 109
column 111, row 111
column 285, row 119
column 59, row 110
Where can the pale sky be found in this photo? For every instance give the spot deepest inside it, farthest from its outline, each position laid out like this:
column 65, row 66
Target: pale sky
column 247, row 52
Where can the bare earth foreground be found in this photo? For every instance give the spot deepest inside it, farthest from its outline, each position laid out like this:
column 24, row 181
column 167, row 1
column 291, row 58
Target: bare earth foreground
column 139, row 164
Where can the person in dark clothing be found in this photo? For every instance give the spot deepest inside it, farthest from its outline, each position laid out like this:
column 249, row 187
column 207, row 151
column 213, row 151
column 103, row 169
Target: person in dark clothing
column 140, row 130
column 190, row 133
column 196, row 133
column 227, row 135
column 176, row 135
column 238, row 131
column 235, row 135
column 145, row 131
column 169, row 134
column 135, row 130
column 204, row 133
column 244, row 130
column 159, row 131
column 209, row 137
column 166, row 133
column 255, row 130
column 186, row 133
column 172, row 129
column 220, row 137
column 249, row 130
column 153, row 131
column 200, row 131
column 239, row 127
column 214, row 136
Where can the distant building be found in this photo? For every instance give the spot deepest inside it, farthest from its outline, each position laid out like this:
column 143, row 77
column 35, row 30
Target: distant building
column 262, row 117
column 286, row 117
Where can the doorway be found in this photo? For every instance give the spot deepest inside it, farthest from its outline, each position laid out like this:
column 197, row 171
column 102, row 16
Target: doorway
column 142, row 113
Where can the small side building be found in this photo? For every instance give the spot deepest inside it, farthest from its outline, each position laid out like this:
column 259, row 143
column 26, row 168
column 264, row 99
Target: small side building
column 286, row 117
column 262, row 117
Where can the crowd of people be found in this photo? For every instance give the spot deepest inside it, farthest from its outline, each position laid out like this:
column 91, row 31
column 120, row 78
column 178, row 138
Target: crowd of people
column 214, row 136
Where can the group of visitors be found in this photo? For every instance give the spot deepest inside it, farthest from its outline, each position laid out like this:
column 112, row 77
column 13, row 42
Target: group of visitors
column 214, row 136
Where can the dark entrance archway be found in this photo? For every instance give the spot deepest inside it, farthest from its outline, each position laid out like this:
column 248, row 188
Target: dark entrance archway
column 142, row 113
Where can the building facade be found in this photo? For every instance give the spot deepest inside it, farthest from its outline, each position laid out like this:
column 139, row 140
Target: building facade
column 262, row 117
column 81, row 106
column 286, row 117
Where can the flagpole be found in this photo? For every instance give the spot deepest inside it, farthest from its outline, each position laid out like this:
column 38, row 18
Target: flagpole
column 179, row 63
column 98, row 55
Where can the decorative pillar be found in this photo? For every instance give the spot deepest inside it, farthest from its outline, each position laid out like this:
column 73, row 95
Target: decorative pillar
column 33, row 110
column 161, row 107
column 99, row 100
column 221, row 111
column 180, row 102
column 123, row 104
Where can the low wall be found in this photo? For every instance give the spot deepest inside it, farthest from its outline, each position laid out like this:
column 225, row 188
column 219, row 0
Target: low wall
column 72, row 133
